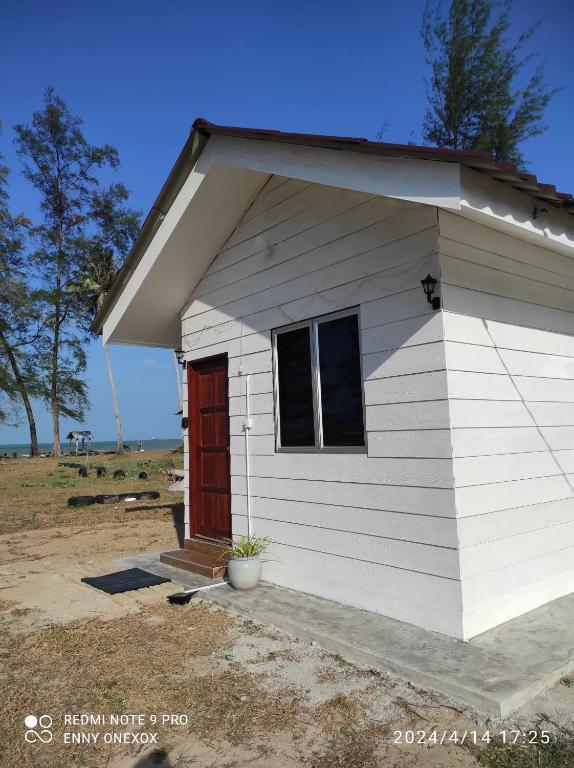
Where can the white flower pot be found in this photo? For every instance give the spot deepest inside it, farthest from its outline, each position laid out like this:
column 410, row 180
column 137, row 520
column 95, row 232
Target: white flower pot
column 244, row 572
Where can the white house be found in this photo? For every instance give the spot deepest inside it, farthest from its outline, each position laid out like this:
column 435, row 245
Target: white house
column 408, row 457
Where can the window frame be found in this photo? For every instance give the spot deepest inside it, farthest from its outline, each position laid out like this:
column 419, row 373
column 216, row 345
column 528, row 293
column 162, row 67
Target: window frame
column 313, row 325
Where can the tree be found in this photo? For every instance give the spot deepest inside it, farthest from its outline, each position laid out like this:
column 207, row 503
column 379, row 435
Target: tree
column 20, row 320
column 118, row 227
column 474, row 99
column 77, row 215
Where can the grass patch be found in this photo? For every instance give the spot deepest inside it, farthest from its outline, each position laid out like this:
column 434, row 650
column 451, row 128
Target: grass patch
column 558, row 753
column 39, row 490
column 131, row 665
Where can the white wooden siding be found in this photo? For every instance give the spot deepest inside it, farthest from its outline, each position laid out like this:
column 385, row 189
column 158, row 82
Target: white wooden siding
column 509, row 350
column 377, row 529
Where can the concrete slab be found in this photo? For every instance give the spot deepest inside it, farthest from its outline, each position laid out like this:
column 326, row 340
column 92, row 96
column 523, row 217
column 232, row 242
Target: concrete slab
column 496, row 672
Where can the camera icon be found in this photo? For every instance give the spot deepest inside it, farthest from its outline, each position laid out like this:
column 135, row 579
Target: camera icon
column 44, row 726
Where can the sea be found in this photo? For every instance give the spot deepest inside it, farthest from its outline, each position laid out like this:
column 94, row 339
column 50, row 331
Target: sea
column 23, row 449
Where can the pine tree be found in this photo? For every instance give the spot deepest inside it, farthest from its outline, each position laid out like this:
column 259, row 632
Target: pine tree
column 20, row 319
column 474, row 99
column 78, row 214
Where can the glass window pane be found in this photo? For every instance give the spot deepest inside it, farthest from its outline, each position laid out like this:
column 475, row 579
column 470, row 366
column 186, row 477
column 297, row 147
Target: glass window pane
column 341, row 388
column 296, row 422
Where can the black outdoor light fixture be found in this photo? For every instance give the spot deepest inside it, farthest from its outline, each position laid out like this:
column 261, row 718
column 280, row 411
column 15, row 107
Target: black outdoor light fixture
column 429, row 284
column 179, row 357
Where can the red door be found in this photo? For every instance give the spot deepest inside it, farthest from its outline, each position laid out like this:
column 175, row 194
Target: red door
column 209, row 448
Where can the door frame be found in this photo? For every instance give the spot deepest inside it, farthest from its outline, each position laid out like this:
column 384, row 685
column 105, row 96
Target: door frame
column 193, row 440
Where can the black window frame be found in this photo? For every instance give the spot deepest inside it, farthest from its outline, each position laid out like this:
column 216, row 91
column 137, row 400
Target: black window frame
column 313, row 324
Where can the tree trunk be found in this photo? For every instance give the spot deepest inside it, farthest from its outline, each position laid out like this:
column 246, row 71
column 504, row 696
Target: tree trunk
column 56, row 447
column 115, row 400
column 22, row 389
column 54, row 405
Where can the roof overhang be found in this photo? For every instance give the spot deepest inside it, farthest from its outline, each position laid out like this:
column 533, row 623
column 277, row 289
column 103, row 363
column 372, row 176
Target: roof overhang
column 219, row 172
column 146, row 303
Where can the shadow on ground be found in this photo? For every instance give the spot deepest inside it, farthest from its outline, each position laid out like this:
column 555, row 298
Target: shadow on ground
column 157, row 759
column 177, row 513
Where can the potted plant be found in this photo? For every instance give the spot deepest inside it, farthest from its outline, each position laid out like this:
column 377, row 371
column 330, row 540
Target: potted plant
column 244, row 565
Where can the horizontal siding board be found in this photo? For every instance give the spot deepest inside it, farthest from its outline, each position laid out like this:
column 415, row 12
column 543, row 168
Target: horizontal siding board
column 422, row 443
column 489, row 413
column 465, row 231
column 330, row 205
column 481, row 386
column 341, row 228
column 350, row 468
column 408, row 416
column 361, row 290
column 304, row 199
column 407, row 388
column 497, row 596
column 480, row 470
column 481, row 304
column 376, row 262
column 261, row 424
column 480, row 278
column 534, row 364
column 259, row 384
column 497, row 440
column 468, row 330
column 404, row 361
column 504, row 265
column 259, row 445
column 412, row 556
column 403, row 333
column 395, row 307
column 508, row 522
column 257, row 404
column 478, row 500
column 558, row 438
column 494, row 555
column 470, row 357
column 269, row 197
column 552, row 414
column 421, row 501
column 544, row 389
column 530, row 339
column 439, row 531
column 430, row 601
column 258, row 362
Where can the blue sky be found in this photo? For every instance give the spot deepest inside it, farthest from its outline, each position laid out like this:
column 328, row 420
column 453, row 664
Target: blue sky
column 138, row 73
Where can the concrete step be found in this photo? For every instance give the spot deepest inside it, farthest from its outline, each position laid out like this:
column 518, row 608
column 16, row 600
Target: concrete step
column 188, row 561
column 212, row 548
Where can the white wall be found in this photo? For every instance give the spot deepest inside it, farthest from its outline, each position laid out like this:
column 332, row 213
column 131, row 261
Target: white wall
column 374, row 530
column 509, row 331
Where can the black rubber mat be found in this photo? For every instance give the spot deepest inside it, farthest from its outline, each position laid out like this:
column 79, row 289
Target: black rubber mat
column 124, row 581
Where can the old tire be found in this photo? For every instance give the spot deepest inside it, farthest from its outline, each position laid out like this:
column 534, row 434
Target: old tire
column 83, row 472
column 119, row 474
column 107, row 498
column 143, row 476
column 149, row 495
column 81, row 501
column 101, row 472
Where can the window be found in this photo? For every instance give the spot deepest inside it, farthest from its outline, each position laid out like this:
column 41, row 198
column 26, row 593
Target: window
column 318, row 384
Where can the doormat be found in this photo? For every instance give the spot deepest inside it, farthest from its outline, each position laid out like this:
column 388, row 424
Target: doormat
column 124, row 581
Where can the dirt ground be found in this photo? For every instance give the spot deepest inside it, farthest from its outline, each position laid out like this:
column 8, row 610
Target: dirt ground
column 190, row 685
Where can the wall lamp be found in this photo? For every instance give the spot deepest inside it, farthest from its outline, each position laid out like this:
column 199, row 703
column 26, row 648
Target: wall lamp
column 429, row 284
column 179, row 356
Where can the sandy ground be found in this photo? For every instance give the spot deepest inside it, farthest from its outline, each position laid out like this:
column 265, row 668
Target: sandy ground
column 254, row 696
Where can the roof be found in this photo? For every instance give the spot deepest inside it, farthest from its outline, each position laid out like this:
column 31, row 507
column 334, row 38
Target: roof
column 482, row 162
column 508, row 173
